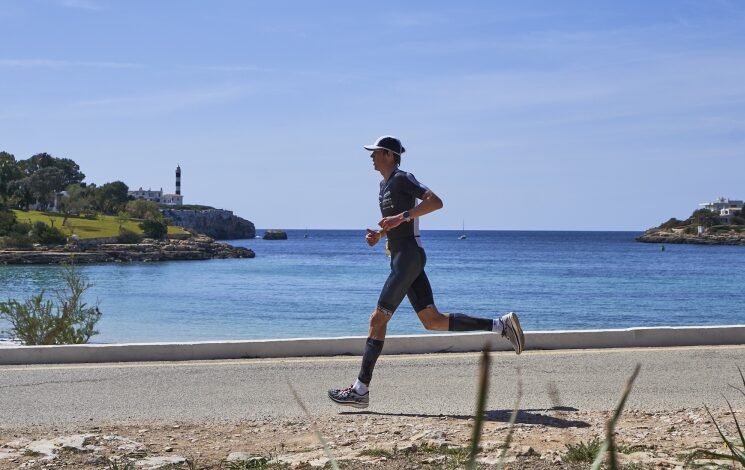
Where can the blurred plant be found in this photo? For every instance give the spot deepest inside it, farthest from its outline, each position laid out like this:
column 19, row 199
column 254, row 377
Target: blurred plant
column 332, row 461
column 609, row 446
column 737, row 454
column 69, row 320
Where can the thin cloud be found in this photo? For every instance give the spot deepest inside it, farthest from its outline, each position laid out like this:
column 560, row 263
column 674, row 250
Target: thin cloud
column 82, row 4
column 159, row 103
column 51, row 63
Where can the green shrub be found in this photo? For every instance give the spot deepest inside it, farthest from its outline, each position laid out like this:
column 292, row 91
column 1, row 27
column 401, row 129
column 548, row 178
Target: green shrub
column 128, row 237
column 154, row 229
column 46, row 235
column 7, row 221
column 67, row 320
column 672, row 223
column 17, row 237
column 584, row 451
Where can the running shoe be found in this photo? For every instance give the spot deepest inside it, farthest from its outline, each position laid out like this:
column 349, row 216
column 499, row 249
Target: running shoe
column 348, row 397
column 513, row 332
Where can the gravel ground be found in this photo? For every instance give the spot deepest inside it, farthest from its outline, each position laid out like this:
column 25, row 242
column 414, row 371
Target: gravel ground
column 543, row 439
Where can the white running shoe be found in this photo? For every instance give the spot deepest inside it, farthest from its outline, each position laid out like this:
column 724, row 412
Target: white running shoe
column 348, row 397
column 513, row 332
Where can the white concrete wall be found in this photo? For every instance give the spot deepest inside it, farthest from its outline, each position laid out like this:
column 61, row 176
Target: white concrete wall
column 415, row 344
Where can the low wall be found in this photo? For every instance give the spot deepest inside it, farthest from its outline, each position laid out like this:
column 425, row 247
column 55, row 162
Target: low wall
column 414, row 344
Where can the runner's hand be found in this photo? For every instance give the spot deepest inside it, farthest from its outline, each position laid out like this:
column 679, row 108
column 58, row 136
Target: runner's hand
column 388, row 223
column 372, row 237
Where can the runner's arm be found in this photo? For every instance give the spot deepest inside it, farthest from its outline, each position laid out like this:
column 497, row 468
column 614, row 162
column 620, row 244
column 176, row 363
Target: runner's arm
column 430, row 203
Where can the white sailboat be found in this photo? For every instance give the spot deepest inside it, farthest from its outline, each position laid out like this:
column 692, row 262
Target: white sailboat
column 463, row 235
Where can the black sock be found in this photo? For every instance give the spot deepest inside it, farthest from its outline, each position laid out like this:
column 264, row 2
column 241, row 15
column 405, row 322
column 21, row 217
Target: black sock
column 460, row 322
column 373, row 348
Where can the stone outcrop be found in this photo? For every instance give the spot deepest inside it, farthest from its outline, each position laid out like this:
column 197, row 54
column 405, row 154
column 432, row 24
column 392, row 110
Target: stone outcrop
column 673, row 237
column 275, row 235
column 199, row 247
column 216, row 223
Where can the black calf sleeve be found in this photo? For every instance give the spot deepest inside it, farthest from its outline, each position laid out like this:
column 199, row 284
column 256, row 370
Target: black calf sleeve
column 460, row 322
column 373, row 348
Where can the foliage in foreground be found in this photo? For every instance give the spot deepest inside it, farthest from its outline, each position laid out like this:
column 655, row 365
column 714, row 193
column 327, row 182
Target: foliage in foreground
column 65, row 320
column 609, row 446
column 736, row 454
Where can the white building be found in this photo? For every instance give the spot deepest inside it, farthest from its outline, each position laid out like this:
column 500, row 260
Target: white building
column 147, row 194
column 158, row 196
column 722, row 203
column 725, row 208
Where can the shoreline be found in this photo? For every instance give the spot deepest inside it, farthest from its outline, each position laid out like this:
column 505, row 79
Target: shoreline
column 107, row 250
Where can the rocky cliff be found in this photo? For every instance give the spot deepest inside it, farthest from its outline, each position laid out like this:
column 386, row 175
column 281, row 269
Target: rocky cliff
column 216, row 223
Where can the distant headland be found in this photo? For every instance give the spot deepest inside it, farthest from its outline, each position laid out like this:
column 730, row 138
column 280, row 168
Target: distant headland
column 48, row 213
column 721, row 222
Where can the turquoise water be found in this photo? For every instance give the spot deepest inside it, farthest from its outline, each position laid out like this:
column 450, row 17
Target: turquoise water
column 327, row 285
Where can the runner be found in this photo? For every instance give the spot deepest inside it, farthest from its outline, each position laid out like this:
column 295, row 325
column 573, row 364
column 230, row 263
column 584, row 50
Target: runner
column 399, row 191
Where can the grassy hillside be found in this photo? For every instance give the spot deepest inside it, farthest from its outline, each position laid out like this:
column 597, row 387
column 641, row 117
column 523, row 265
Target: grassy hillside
column 103, row 226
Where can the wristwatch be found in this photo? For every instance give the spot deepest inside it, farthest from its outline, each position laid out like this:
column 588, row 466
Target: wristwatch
column 407, row 216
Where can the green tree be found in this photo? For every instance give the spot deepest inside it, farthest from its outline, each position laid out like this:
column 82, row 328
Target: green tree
column 19, row 195
column 46, row 235
column 71, row 173
column 672, row 223
column 141, row 209
column 9, row 172
column 122, row 218
column 44, row 184
column 704, row 217
column 7, row 221
column 112, row 197
column 76, row 201
column 154, row 229
column 68, row 320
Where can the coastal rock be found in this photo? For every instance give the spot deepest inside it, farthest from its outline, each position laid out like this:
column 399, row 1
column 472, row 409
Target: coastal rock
column 216, row 223
column 675, row 237
column 198, row 247
column 275, row 235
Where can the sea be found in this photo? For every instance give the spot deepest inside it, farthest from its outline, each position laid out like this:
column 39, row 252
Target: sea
column 327, row 285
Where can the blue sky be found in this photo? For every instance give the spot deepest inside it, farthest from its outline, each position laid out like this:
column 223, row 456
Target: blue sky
column 521, row 115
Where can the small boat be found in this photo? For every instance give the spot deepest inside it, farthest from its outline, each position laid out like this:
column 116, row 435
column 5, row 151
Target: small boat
column 463, row 235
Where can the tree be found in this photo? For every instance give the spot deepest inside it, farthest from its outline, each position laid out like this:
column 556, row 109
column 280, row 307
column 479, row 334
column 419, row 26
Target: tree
column 112, row 197
column 19, row 194
column 9, row 172
column 46, row 235
column 672, row 223
column 154, row 229
column 70, row 170
column 44, row 184
column 76, row 201
column 7, row 221
column 704, row 217
column 141, row 209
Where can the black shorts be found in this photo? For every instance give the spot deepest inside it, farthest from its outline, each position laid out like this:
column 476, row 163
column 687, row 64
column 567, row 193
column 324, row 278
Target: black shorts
column 407, row 277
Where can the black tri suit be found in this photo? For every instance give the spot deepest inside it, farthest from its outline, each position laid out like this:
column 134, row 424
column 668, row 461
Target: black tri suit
column 398, row 194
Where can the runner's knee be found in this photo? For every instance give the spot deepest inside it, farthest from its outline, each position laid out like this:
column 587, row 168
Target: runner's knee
column 379, row 318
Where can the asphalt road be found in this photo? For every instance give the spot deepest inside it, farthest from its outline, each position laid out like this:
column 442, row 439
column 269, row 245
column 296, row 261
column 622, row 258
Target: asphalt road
column 426, row 385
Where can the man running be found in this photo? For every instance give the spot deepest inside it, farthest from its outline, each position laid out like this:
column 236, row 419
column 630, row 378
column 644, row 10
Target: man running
column 399, row 191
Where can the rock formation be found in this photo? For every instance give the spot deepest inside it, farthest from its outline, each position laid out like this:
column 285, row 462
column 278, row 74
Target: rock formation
column 275, row 235
column 216, row 223
column 195, row 248
column 672, row 237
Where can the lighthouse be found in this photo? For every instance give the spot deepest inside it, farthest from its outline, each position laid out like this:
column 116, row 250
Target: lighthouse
column 178, row 180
